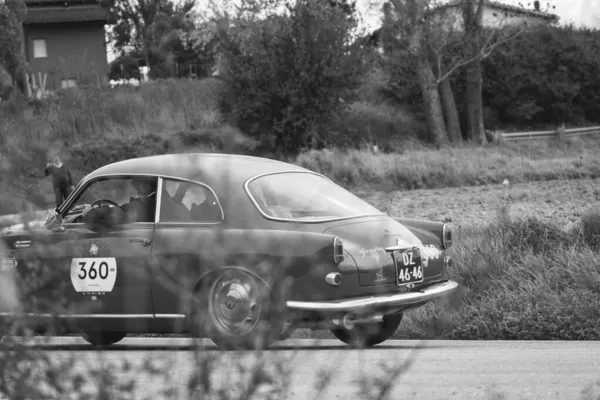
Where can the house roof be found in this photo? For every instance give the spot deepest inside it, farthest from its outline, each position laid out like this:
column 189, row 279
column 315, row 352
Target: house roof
column 505, row 7
column 50, row 11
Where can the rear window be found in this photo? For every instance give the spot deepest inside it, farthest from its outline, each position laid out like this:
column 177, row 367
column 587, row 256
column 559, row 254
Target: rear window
column 306, row 197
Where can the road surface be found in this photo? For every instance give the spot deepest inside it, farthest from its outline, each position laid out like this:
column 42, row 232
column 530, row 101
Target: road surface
column 439, row 369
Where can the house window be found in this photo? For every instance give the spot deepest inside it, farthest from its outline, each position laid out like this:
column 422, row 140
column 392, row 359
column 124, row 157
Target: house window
column 39, row 48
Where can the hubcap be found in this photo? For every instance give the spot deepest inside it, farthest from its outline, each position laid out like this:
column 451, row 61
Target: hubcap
column 235, row 303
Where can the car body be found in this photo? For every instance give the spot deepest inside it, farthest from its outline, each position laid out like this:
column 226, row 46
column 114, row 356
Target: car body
column 237, row 248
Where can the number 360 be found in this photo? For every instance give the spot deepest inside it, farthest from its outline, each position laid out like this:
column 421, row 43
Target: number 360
column 91, row 272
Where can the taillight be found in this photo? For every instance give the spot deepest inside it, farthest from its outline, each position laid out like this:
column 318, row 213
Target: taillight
column 338, row 250
column 447, row 236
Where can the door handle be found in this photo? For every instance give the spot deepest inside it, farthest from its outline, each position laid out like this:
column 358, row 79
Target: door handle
column 143, row 241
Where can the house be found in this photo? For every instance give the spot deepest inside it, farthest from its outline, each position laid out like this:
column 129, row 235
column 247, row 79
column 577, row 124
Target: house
column 495, row 15
column 65, row 42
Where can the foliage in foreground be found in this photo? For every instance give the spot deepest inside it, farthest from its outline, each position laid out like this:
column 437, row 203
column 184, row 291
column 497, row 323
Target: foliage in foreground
column 521, row 278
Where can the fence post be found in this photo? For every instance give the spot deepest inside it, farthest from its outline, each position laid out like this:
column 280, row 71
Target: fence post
column 560, row 132
column 375, row 147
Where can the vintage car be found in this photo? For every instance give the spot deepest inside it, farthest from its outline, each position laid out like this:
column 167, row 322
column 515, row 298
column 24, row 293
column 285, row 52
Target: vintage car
column 239, row 249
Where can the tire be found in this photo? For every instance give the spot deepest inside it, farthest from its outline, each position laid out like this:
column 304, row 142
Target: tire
column 99, row 338
column 237, row 311
column 367, row 335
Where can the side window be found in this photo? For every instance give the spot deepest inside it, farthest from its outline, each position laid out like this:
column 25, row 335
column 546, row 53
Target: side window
column 188, row 202
column 136, row 196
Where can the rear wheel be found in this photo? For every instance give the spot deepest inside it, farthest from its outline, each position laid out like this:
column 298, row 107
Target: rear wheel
column 238, row 311
column 368, row 335
column 103, row 338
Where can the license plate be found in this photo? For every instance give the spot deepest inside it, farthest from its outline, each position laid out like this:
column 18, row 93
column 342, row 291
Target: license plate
column 409, row 268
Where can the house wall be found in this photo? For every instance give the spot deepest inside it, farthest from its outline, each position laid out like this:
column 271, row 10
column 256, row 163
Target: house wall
column 451, row 18
column 75, row 50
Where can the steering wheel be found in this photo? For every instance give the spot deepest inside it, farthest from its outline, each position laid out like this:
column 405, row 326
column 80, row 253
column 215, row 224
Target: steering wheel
column 97, row 203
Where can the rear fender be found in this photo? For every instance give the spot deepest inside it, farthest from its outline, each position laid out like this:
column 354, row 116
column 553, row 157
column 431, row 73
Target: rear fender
column 276, row 254
column 428, row 232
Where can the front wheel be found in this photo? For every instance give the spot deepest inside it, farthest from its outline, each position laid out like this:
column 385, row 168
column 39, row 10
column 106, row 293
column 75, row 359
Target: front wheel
column 238, row 311
column 103, row 338
column 368, row 335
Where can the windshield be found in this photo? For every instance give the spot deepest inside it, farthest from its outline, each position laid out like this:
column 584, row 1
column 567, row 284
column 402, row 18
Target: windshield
column 305, row 196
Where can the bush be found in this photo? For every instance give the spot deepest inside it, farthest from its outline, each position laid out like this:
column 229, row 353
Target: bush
column 88, row 156
column 31, row 133
column 364, row 122
column 290, row 74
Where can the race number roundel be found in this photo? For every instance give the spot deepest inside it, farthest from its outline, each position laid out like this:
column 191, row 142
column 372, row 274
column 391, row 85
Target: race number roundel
column 94, row 274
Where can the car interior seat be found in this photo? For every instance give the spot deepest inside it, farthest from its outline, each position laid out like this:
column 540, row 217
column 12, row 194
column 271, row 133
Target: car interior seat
column 171, row 211
column 207, row 211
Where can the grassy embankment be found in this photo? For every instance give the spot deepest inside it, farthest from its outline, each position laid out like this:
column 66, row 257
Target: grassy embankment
column 521, row 278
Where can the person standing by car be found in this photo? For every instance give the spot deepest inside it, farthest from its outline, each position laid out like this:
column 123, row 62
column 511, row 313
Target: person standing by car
column 61, row 179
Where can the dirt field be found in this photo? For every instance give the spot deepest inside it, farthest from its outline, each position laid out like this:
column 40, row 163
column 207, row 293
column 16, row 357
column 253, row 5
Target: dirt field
column 562, row 201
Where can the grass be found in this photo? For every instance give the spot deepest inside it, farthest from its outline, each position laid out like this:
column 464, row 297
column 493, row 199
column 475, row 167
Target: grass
column 522, row 278
column 417, row 167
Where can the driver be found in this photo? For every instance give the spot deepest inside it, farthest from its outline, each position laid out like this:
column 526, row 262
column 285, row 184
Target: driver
column 141, row 208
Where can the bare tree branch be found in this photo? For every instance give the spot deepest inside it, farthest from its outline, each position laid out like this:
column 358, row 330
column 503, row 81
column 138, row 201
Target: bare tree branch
column 486, row 54
column 492, row 41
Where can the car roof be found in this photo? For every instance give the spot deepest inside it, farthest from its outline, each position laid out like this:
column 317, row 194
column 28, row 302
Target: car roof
column 205, row 167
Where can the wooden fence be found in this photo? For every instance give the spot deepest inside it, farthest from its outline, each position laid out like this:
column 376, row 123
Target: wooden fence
column 558, row 133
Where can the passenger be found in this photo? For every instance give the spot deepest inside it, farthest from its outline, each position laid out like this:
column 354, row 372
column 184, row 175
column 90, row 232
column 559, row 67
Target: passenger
column 142, row 208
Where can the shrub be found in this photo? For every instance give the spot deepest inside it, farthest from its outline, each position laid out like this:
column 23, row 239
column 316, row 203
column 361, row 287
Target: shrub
column 290, row 74
column 364, row 122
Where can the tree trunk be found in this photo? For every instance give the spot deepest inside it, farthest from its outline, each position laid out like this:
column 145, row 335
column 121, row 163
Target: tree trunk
column 472, row 16
column 475, row 126
column 431, row 100
column 450, row 111
column 448, row 102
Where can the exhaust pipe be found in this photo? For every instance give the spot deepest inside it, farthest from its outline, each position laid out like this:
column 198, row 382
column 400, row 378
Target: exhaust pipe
column 348, row 321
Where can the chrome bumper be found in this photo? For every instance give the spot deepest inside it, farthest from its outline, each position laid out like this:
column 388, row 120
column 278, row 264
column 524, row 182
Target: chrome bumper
column 365, row 305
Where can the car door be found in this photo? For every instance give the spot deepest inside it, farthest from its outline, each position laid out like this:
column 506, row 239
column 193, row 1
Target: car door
column 108, row 270
column 184, row 243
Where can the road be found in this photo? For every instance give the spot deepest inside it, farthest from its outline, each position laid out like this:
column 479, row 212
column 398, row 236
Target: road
column 440, row 369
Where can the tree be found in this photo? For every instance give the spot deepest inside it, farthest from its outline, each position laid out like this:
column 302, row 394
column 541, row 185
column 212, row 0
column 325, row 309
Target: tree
column 290, row 66
column 124, row 67
column 150, row 30
column 454, row 42
column 414, row 34
column 466, row 46
column 12, row 13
